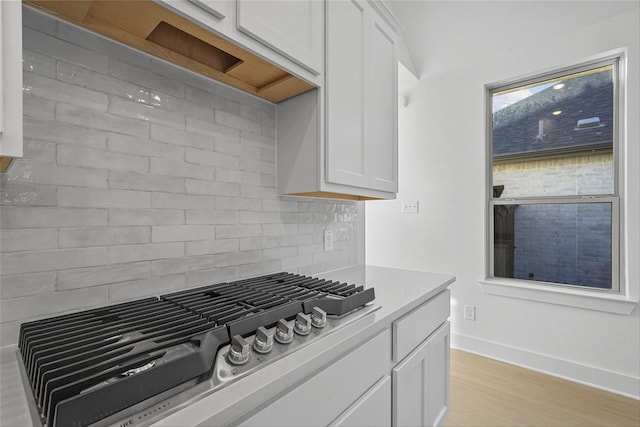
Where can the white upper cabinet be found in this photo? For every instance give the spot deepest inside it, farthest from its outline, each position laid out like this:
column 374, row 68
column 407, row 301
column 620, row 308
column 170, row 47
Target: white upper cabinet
column 341, row 140
column 295, row 28
column 219, row 9
column 347, row 131
column 10, row 80
column 286, row 33
column 361, row 103
column 383, row 117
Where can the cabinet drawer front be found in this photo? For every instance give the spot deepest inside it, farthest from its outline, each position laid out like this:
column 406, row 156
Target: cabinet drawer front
column 323, row 397
column 414, row 327
column 372, row 410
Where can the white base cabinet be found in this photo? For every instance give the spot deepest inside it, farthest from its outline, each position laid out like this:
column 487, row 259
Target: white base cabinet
column 322, row 398
column 372, row 386
column 421, row 383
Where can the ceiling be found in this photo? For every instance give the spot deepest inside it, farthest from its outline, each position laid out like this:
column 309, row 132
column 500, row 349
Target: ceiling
column 442, row 35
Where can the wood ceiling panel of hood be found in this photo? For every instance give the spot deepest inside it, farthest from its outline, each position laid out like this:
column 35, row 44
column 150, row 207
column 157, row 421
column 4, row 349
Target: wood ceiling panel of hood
column 149, row 27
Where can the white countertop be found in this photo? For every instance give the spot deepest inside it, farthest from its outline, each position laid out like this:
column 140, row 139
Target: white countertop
column 397, row 292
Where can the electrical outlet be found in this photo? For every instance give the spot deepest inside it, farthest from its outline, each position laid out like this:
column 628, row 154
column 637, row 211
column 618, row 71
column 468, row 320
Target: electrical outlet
column 410, row 207
column 328, row 240
column 470, row 312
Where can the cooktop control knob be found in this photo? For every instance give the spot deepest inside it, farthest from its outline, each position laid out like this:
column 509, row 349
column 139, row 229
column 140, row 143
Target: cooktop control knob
column 284, row 332
column 239, row 350
column 318, row 317
column 263, row 343
column 302, row 325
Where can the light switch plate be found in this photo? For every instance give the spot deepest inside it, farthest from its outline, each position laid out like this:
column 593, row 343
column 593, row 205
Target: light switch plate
column 410, row 207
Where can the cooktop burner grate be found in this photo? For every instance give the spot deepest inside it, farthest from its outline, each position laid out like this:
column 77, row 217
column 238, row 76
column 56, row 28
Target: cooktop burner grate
column 85, row 366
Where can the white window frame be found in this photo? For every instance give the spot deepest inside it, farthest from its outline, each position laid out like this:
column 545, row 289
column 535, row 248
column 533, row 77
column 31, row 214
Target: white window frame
column 613, row 301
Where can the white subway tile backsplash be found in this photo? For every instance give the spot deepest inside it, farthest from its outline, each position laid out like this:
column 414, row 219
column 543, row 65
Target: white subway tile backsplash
column 210, row 128
column 143, row 147
column 145, row 112
column 237, row 231
column 138, row 181
column 101, row 198
column 38, row 64
column 63, row 133
column 228, row 175
column 249, row 217
column 238, row 204
column 80, row 116
column 52, row 303
column 22, row 285
column 182, row 233
column 69, row 155
column 180, row 106
column 104, row 236
column 83, row 77
column 198, row 186
column 144, row 252
column 212, row 246
column 212, row 217
column 262, row 242
column 260, row 268
column 179, row 137
column 39, row 150
column 211, row 158
column 225, row 146
column 279, row 253
column 180, row 169
column 47, row 45
column 103, row 275
column 36, row 20
column 137, row 75
column 182, row 201
column 47, row 88
column 30, row 239
column 34, row 172
column 236, row 122
column 51, row 260
column 133, row 217
column 238, row 258
column 140, row 178
column 27, row 194
column 169, row 266
column 215, row 275
column 256, row 192
column 38, row 107
column 47, row 217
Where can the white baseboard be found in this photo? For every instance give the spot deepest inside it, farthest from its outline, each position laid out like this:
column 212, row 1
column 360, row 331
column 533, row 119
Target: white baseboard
column 595, row 377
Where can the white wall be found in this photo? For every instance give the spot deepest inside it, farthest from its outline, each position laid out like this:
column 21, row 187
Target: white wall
column 459, row 47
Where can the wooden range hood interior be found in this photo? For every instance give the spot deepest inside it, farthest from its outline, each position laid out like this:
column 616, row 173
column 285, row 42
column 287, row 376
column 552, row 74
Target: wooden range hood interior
column 147, row 26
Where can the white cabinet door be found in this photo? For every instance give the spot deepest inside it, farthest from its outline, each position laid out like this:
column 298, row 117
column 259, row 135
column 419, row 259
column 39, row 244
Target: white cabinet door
column 383, row 122
column 10, row 79
column 347, row 132
column 295, row 28
column 322, row 398
column 371, row 410
column 216, row 15
column 421, row 383
column 221, row 9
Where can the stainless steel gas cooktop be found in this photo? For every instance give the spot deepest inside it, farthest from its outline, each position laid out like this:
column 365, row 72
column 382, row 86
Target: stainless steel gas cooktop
column 130, row 363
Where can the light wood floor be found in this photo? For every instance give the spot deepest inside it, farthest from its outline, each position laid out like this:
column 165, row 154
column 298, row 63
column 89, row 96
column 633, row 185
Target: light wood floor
column 485, row 392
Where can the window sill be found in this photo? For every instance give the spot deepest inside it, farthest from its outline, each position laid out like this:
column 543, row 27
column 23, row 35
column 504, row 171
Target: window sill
column 617, row 304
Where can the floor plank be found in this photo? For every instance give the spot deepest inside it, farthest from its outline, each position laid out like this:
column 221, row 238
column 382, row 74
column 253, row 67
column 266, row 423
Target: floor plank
column 485, row 392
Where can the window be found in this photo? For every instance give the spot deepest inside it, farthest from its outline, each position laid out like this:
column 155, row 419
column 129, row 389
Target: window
column 553, row 173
